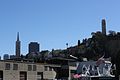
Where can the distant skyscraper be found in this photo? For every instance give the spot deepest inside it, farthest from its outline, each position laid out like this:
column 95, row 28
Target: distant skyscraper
column 12, row 56
column 17, row 46
column 33, row 47
column 103, row 26
column 6, row 56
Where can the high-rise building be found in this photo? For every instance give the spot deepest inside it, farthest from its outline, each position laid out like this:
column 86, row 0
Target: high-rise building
column 33, row 47
column 12, row 56
column 6, row 56
column 103, row 26
column 17, row 46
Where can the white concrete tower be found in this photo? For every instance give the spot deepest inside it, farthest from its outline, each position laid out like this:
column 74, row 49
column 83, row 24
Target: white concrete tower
column 103, row 26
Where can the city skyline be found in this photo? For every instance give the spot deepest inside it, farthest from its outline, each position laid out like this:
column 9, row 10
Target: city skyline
column 53, row 23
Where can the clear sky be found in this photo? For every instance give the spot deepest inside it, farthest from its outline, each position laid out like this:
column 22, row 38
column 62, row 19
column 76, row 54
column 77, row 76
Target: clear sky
column 53, row 23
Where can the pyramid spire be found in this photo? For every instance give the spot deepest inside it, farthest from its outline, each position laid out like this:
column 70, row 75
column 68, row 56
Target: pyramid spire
column 17, row 46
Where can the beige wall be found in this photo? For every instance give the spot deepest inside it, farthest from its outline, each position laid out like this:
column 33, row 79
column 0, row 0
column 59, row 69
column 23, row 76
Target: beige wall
column 49, row 74
column 10, row 75
column 31, row 75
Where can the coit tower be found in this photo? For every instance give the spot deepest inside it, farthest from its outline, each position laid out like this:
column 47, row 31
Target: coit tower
column 103, row 26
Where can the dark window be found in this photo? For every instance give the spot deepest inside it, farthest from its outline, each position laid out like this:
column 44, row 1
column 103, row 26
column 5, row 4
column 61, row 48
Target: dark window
column 7, row 66
column 1, row 75
column 29, row 67
column 39, row 75
column 23, row 75
column 34, row 67
column 50, row 68
column 15, row 66
column 46, row 68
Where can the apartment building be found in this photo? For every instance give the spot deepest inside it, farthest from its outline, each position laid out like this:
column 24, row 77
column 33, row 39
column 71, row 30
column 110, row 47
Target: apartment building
column 16, row 70
column 24, row 70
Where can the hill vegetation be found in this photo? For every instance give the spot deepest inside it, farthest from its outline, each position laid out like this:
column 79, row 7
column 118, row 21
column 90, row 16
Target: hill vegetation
column 91, row 48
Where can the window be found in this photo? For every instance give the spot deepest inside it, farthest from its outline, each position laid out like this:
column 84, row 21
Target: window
column 34, row 67
column 39, row 75
column 50, row 68
column 46, row 68
column 1, row 75
column 23, row 75
column 29, row 67
column 15, row 66
column 7, row 66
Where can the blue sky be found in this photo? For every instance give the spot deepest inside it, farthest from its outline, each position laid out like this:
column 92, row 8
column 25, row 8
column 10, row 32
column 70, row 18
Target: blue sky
column 53, row 23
